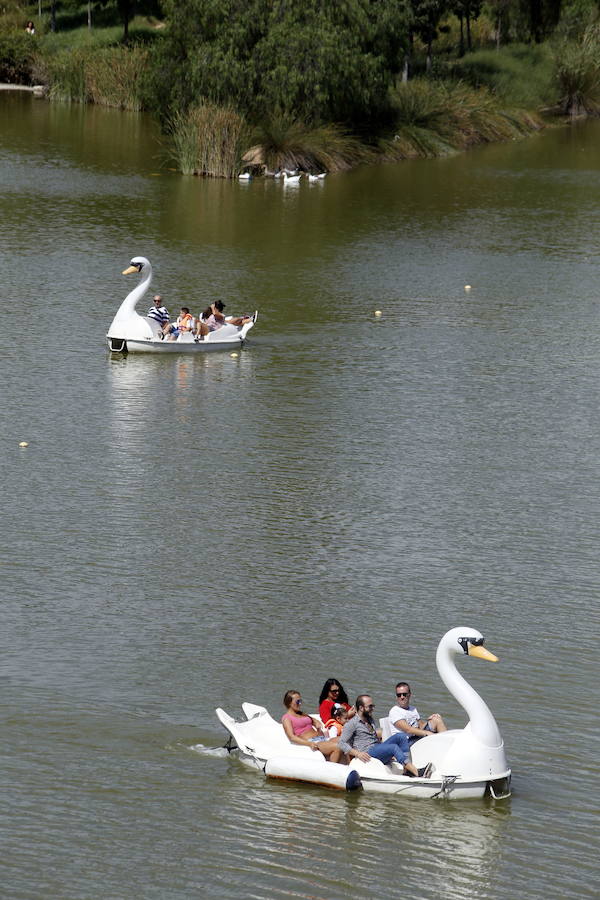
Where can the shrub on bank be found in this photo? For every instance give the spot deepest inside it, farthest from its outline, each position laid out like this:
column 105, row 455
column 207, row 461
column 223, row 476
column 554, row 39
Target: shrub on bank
column 434, row 118
column 17, row 58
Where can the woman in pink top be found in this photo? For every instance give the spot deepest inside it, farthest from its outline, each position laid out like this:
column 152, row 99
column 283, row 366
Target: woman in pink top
column 300, row 728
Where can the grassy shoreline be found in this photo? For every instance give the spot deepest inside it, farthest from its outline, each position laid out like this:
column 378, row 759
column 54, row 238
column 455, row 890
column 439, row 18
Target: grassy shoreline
column 487, row 96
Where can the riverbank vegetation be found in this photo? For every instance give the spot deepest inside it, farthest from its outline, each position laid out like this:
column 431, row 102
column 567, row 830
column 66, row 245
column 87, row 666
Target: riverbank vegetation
column 266, row 84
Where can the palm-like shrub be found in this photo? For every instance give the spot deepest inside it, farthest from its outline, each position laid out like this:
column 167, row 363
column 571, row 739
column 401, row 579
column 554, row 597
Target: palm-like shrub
column 281, row 142
column 577, row 73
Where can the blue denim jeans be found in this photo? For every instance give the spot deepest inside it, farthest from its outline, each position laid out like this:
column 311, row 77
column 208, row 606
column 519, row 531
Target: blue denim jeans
column 396, row 747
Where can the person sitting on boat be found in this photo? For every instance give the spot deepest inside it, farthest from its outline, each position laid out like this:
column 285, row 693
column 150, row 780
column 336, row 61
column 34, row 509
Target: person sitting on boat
column 159, row 313
column 333, row 694
column 183, row 323
column 361, row 740
column 405, row 718
column 212, row 319
column 300, row 728
column 335, row 724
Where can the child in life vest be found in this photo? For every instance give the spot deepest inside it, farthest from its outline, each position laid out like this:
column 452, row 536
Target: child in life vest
column 334, row 725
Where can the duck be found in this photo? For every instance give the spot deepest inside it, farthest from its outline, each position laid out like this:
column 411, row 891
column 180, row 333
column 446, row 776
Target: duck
column 245, row 176
column 291, row 179
column 477, row 750
column 319, row 177
column 127, row 323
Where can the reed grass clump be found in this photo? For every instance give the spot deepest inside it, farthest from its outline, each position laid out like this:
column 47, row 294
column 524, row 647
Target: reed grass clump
column 209, row 140
column 109, row 76
column 113, row 76
column 435, row 118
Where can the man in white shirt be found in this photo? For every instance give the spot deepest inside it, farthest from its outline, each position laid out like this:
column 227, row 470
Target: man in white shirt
column 406, row 718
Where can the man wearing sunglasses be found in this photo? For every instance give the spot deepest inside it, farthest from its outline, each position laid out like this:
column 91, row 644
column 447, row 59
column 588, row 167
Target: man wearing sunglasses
column 405, row 719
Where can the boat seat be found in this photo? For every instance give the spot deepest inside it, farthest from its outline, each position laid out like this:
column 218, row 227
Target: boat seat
column 386, row 728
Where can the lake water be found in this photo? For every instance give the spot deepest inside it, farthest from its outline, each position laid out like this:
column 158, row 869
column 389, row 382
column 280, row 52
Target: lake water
column 182, row 534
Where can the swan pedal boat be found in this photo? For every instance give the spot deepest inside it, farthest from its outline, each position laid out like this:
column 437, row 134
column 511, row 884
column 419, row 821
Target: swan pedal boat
column 131, row 333
column 468, row 763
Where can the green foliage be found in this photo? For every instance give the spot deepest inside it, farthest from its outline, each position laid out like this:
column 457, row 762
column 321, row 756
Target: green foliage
column 313, row 61
column 519, row 75
column 17, row 57
column 208, row 140
column 577, row 74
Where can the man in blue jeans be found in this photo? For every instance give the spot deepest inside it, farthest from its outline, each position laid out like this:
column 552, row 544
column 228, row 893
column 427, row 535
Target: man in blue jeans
column 360, row 739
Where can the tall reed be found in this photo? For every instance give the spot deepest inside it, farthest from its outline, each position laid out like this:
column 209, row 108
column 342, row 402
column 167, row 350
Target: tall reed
column 208, row 140
column 110, row 76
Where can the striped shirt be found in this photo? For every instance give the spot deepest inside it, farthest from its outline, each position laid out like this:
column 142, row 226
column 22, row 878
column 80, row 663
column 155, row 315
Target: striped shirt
column 159, row 313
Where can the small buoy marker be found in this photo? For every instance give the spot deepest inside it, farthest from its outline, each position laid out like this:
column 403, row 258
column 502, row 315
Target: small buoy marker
column 467, row 287
column 24, row 444
column 234, row 355
column 378, row 313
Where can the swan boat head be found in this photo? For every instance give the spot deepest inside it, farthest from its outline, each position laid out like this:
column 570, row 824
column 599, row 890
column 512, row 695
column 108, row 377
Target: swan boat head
column 127, row 323
column 477, row 750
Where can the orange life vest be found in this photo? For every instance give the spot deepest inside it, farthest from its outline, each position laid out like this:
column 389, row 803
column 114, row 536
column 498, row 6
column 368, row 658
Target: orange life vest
column 335, row 722
column 184, row 323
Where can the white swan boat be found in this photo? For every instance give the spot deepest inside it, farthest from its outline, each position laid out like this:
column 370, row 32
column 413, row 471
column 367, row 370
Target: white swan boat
column 131, row 333
column 467, row 763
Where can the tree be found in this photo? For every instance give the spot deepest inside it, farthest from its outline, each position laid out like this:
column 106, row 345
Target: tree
column 426, row 15
column 315, row 60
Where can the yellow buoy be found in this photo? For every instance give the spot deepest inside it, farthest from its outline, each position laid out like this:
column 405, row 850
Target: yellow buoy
column 467, row 287
column 24, row 444
column 378, row 313
column 234, row 355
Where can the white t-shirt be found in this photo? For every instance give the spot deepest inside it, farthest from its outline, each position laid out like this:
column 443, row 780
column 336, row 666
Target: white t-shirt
column 411, row 717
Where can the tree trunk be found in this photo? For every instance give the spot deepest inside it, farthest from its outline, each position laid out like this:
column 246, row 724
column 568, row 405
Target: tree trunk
column 461, row 49
column 405, row 68
column 469, row 44
column 498, row 29
column 90, row 14
column 429, row 63
column 53, row 16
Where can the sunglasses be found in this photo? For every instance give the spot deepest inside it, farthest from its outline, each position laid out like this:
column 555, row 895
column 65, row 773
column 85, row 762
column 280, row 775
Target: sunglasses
column 403, row 694
column 334, row 690
column 297, row 702
column 372, row 706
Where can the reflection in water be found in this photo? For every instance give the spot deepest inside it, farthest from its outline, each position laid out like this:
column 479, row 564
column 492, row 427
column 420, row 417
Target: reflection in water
column 315, row 841
column 344, row 492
